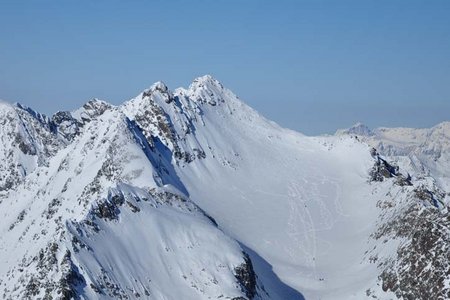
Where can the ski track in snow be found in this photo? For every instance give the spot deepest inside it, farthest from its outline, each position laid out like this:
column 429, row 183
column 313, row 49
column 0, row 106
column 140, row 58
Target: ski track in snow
column 306, row 201
column 304, row 198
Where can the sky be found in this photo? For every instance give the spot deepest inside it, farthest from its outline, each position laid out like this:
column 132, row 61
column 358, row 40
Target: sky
column 313, row 66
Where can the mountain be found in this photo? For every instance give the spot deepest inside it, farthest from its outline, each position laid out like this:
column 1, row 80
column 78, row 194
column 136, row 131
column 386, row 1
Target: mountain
column 191, row 194
column 424, row 152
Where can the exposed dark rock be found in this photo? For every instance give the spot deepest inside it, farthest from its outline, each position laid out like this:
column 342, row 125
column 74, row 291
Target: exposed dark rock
column 106, row 210
column 246, row 277
column 382, row 169
column 117, row 199
column 107, row 286
column 425, row 194
column 92, row 109
column 32, row 288
column 45, row 263
column 403, row 180
column 152, row 120
column 199, row 153
column 184, row 156
column 96, row 288
column 92, row 225
column 167, row 197
column 133, row 207
column 25, row 147
column 19, row 219
column 109, row 208
column 77, row 244
column 422, row 265
column 66, row 125
column 52, row 208
column 373, row 152
column 69, row 280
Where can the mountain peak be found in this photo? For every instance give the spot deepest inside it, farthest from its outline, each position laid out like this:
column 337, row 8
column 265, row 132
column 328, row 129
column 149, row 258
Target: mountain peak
column 157, row 86
column 206, row 81
column 206, row 89
column 357, row 129
column 91, row 109
column 443, row 126
column 6, row 106
column 40, row 117
column 96, row 101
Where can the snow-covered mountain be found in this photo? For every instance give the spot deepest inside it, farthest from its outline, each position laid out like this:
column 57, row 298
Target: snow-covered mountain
column 424, row 152
column 191, row 194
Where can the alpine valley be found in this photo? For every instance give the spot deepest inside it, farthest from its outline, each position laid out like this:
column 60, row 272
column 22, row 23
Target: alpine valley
column 191, row 194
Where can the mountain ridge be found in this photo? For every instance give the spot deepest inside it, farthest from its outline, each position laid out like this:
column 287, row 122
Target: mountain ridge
column 239, row 207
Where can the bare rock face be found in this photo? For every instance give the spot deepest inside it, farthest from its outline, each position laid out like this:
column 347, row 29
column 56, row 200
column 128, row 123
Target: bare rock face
column 382, row 169
column 421, row 268
column 207, row 90
column 66, row 125
column 246, row 277
column 168, row 119
column 91, row 110
column 70, row 279
column 40, row 283
column 419, row 222
column 28, row 141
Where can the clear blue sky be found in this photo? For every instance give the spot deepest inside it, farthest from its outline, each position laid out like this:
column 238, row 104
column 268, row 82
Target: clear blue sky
column 313, row 66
